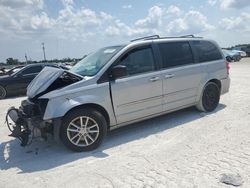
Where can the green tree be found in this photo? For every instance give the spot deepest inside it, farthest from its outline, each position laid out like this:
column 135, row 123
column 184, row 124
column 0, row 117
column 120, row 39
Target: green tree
column 11, row 61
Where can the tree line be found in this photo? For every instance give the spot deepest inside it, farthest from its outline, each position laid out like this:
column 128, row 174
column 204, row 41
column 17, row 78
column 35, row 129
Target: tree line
column 12, row 61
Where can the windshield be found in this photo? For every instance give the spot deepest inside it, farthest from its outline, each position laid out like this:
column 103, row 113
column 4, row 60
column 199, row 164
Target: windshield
column 92, row 64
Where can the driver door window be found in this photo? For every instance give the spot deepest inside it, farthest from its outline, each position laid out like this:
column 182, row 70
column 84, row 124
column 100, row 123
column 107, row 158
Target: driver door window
column 138, row 61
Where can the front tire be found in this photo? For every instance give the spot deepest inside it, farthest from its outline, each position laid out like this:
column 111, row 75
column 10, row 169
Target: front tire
column 3, row 92
column 83, row 129
column 210, row 98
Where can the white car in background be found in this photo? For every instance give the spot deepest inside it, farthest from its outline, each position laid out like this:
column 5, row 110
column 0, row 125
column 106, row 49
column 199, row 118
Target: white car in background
column 242, row 53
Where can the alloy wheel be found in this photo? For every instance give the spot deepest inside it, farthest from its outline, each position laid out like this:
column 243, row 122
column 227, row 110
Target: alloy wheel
column 83, row 131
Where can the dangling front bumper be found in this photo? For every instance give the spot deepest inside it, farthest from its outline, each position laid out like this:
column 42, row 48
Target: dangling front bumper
column 26, row 122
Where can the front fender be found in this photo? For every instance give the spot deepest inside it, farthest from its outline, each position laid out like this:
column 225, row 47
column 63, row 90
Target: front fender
column 58, row 107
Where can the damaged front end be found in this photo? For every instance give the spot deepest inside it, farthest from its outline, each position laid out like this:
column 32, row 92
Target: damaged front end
column 26, row 122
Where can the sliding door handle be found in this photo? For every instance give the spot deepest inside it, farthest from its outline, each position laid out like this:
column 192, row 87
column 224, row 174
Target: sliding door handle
column 169, row 76
column 154, row 79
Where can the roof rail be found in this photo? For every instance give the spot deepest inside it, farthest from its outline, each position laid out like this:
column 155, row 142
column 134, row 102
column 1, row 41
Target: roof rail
column 184, row 36
column 158, row 37
column 187, row 36
column 146, row 38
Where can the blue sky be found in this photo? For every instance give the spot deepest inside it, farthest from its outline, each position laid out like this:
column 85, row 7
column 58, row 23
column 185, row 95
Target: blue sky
column 71, row 28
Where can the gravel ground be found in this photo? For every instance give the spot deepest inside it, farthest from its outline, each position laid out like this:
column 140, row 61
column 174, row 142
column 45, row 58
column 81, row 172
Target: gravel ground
column 182, row 149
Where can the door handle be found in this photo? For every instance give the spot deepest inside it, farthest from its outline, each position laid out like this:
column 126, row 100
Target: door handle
column 154, row 79
column 169, row 76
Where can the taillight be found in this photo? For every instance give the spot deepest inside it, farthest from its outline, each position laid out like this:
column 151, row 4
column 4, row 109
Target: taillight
column 227, row 66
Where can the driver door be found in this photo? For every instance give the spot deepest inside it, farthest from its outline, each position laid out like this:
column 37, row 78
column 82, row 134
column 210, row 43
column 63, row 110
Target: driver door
column 140, row 93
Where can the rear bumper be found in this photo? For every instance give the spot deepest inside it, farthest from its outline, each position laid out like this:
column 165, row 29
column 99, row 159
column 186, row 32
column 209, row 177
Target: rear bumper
column 225, row 85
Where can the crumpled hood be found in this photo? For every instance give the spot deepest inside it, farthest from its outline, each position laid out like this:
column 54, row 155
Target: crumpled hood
column 43, row 80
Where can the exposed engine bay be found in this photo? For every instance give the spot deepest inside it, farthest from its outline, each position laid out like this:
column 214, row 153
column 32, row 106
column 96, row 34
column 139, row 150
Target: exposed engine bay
column 26, row 122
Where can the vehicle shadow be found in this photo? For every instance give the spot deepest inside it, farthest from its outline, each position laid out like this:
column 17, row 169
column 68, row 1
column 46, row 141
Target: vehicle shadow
column 45, row 155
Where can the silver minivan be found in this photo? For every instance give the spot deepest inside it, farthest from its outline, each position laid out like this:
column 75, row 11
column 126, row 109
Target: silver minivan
column 120, row 85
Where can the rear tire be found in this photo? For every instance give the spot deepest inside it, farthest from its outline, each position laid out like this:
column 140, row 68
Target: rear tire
column 210, row 98
column 83, row 129
column 3, row 92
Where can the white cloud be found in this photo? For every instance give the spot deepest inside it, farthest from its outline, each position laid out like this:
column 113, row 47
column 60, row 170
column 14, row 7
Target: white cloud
column 236, row 4
column 112, row 31
column 127, row 6
column 67, row 3
column 79, row 23
column 212, row 2
column 240, row 23
column 153, row 19
column 192, row 23
column 28, row 19
column 106, row 16
column 172, row 9
column 122, row 29
column 22, row 3
column 230, row 4
column 41, row 21
column 17, row 16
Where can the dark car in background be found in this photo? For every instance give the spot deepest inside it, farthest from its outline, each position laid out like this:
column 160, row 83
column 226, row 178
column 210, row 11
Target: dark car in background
column 16, row 83
column 11, row 71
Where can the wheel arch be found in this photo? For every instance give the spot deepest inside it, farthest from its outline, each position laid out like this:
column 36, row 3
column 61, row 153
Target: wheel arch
column 97, row 107
column 216, row 81
column 203, row 84
column 4, row 89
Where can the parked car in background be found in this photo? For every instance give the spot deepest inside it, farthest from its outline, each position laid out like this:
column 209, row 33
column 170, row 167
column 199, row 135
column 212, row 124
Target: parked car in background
column 242, row 53
column 244, row 48
column 231, row 56
column 63, row 66
column 2, row 71
column 11, row 71
column 120, row 85
column 16, row 80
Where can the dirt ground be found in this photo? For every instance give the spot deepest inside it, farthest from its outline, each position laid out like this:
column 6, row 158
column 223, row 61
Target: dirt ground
column 182, row 149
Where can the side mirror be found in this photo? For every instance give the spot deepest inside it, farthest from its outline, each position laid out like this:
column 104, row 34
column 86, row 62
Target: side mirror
column 118, row 71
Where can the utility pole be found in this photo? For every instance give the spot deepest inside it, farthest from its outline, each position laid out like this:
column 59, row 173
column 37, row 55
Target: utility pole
column 26, row 58
column 43, row 51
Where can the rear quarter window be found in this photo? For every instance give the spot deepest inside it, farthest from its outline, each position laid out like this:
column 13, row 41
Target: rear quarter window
column 206, row 51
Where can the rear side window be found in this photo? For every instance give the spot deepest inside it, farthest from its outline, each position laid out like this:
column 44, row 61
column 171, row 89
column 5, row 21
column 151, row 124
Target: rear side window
column 32, row 70
column 206, row 51
column 175, row 54
column 138, row 61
